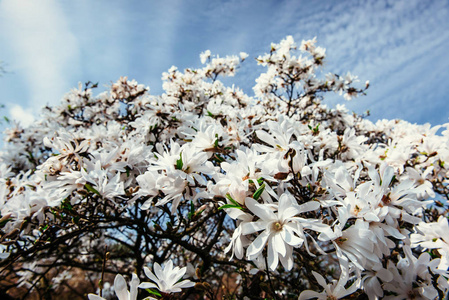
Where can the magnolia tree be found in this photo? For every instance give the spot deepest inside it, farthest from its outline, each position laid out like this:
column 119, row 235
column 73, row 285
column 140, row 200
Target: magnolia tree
column 205, row 192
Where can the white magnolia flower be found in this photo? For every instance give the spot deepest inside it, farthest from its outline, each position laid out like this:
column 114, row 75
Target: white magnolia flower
column 281, row 231
column 412, row 278
column 434, row 236
column 121, row 289
column 166, row 278
column 357, row 244
column 335, row 290
column 371, row 284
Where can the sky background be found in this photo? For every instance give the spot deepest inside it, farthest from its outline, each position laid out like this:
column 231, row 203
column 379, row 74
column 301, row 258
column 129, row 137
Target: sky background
column 400, row 46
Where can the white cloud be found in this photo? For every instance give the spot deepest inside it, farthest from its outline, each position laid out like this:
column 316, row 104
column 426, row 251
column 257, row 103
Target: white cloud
column 400, row 46
column 45, row 50
column 24, row 117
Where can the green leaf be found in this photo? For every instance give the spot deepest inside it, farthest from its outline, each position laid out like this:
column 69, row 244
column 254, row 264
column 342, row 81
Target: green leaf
column 153, row 292
column 192, row 210
column 259, row 192
column 392, row 180
column 127, row 171
column 179, row 162
column 234, row 204
column 3, row 223
column 259, row 180
column 230, row 206
column 192, row 207
column 210, row 114
column 216, row 141
column 66, row 204
column 91, row 189
column 218, row 158
column 232, row 199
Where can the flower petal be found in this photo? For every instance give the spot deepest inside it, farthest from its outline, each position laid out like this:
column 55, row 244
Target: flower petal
column 95, row 297
column 260, row 210
column 147, row 285
column 120, row 287
column 273, row 259
column 257, row 245
column 150, row 274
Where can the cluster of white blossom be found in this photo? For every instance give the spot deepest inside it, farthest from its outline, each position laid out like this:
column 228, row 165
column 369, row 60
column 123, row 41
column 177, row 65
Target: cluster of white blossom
column 278, row 186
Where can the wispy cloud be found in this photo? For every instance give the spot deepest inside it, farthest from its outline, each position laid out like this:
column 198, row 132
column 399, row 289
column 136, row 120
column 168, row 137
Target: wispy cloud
column 400, row 46
column 24, row 116
column 45, row 51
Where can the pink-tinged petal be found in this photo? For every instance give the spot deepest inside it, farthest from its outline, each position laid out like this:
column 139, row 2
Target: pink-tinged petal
column 95, row 297
column 272, row 258
column 150, row 274
column 148, row 285
column 120, row 287
column 260, row 210
column 257, row 245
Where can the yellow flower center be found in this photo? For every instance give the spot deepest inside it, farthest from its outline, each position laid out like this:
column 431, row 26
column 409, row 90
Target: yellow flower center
column 277, row 226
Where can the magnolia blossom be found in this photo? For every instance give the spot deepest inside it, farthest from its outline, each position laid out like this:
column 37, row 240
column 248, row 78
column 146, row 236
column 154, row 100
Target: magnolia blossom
column 281, row 231
column 357, row 244
column 121, row 289
column 166, row 278
column 334, row 290
column 412, row 277
column 434, row 236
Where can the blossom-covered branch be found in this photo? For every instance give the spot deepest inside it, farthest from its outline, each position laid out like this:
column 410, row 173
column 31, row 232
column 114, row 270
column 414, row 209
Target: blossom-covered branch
column 224, row 195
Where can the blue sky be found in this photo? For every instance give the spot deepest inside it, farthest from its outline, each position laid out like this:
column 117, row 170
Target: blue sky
column 400, row 46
